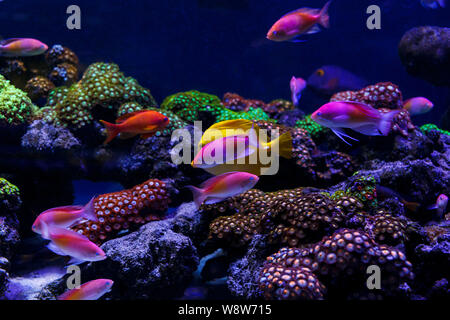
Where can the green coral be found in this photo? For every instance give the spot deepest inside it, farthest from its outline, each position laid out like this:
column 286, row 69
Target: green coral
column 313, row 128
column 189, row 105
column 15, row 106
column 363, row 188
column 102, row 84
column 430, row 126
column 7, row 189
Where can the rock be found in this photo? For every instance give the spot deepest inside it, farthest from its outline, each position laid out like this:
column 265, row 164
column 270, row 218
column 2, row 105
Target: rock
column 42, row 136
column 9, row 235
column 425, row 53
column 155, row 262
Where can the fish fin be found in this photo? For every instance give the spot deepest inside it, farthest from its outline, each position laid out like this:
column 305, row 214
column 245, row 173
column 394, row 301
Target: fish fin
column 147, row 135
column 411, row 206
column 212, row 200
column 89, row 211
column 432, row 207
column 126, row 116
column 253, row 137
column 385, row 123
column 341, row 135
column 198, row 195
column 324, row 19
column 284, row 145
column 369, row 111
column 314, row 29
column 74, row 261
column 368, row 130
column 55, row 249
column 112, row 130
column 297, row 39
column 44, row 231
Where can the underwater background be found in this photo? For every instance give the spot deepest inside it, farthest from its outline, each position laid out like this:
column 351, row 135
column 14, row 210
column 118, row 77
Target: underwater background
column 216, row 47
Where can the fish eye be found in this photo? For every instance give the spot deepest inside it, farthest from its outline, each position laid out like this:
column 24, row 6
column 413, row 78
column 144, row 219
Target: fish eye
column 320, row 72
column 274, row 33
column 319, row 113
column 165, row 119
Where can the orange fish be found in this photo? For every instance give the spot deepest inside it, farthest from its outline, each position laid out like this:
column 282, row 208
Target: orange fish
column 298, row 22
column 145, row 122
column 91, row 290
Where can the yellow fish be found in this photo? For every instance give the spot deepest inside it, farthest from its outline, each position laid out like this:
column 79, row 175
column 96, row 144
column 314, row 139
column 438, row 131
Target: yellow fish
column 224, row 136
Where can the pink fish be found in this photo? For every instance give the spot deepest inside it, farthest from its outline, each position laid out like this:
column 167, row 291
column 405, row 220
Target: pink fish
column 356, row 116
column 22, row 47
column 91, row 290
column 441, row 205
column 70, row 243
column 297, row 86
column 222, row 187
column 298, row 22
column 65, row 217
column 418, row 105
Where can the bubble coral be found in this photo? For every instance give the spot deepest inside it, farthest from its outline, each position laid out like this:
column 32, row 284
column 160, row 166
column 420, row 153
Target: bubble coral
column 125, row 209
column 15, row 106
column 330, row 264
column 102, row 85
column 380, row 95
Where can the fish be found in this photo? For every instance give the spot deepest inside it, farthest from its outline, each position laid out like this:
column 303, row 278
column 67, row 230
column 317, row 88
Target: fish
column 330, row 79
column 297, row 86
column 65, row 217
column 214, row 158
column 145, row 123
column 91, row 290
column 293, row 25
column 440, row 205
column 66, row 242
column 225, row 129
column 418, row 105
column 22, row 47
column 224, row 186
column 385, row 192
column 356, row 116
column 433, row 4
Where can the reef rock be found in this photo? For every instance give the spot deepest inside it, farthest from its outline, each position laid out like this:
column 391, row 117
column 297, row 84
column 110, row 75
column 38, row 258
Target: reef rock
column 425, row 52
column 44, row 136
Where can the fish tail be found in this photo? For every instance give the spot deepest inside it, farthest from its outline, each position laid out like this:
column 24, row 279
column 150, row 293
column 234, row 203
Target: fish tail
column 112, row 130
column 284, row 144
column 199, row 195
column 385, row 123
column 324, row 19
column 411, row 206
column 89, row 211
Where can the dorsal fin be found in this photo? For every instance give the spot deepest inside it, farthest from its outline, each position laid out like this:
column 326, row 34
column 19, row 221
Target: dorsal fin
column 129, row 115
column 366, row 109
column 8, row 41
column 303, row 10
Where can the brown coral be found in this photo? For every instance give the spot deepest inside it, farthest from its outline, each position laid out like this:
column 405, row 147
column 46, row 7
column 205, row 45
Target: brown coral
column 125, row 209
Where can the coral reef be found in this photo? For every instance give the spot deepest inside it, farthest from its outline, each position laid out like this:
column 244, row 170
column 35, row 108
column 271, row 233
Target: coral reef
column 305, row 273
column 425, row 53
column 313, row 128
column 101, row 86
column 15, row 107
column 235, row 102
column 125, row 209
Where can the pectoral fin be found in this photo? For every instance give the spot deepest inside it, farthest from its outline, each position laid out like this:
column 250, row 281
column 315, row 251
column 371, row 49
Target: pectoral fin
column 341, row 134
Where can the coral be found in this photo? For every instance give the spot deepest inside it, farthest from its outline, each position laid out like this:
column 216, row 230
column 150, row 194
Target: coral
column 15, row 107
column 380, row 95
column 46, row 136
column 194, row 105
column 425, row 53
column 38, row 88
column 363, row 188
column 333, row 166
column 387, row 229
column 125, row 209
column 102, row 85
column 235, row 102
column 430, row 127
column 330, row 264
column 312, row 127
column 59, row 54
column 63, row 74
column 9, row 196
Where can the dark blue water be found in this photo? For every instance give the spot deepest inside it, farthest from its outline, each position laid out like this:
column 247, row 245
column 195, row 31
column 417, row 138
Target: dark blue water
column 219, row 46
